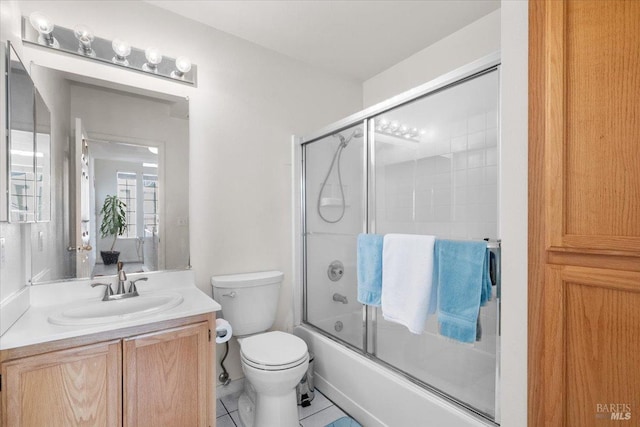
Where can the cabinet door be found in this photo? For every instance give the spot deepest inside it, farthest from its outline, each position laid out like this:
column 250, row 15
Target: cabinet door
column 75, row 387
column 584, row 213
column 166, row 377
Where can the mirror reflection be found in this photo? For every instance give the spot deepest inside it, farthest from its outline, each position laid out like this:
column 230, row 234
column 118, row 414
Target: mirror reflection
column 116, row 141
column 130, row 172
column 21, row 143
column 42, row 159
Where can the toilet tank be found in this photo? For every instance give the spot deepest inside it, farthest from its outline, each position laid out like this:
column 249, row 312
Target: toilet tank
column 249, row 300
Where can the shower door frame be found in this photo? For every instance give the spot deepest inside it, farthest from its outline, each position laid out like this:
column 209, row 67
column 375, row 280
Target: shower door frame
column 485, row 65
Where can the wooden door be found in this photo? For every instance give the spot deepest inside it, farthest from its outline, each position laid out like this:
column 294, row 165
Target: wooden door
column 75, row 387
column 166, row 378
column 584, row 213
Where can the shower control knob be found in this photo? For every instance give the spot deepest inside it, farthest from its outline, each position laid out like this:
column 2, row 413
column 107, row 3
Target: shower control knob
column 335, row 271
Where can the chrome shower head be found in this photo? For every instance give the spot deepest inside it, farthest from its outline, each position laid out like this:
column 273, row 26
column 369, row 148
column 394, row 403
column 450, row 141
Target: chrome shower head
column 357, row 133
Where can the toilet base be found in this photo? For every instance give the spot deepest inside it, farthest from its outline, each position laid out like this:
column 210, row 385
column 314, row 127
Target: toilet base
column 267, row 411
column 246, row 410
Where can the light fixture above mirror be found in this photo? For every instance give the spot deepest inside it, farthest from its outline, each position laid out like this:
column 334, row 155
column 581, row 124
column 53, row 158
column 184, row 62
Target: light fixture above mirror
column 38, row 29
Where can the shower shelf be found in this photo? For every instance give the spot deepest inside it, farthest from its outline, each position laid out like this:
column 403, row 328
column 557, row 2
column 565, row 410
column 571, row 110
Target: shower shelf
column 332, row 202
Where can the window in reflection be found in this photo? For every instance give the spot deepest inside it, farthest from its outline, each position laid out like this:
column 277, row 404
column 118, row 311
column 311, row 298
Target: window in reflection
column 127, row 182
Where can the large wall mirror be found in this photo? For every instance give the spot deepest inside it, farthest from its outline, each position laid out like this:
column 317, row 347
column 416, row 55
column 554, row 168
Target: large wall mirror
column 108, row 139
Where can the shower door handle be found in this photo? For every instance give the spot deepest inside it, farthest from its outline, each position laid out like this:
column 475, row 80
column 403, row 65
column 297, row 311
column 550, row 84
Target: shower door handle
column 230, row 295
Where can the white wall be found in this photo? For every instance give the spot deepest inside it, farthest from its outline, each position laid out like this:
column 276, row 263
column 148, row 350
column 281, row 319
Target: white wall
column 472, row 42
column 506, row 30
column 513, row 210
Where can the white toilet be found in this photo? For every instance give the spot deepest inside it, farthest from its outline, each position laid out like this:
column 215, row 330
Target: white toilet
column 273, row 362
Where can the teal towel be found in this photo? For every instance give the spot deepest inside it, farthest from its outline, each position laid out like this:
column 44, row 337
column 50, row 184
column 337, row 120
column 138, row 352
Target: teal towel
column 462, row 276
column 370, row 269
column 344, row 422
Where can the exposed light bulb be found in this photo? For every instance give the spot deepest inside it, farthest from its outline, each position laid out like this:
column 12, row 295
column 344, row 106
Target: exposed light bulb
column 183, row 65
column 154, row 57
column 397, row 129
column 85, row 38
column 44, row 26
column 122, row 49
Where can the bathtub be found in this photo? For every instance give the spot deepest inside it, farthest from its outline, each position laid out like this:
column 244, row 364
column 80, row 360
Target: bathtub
column 374, row 394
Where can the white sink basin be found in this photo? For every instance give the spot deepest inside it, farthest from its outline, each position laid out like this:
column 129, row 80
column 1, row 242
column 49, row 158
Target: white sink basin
column 97, row 312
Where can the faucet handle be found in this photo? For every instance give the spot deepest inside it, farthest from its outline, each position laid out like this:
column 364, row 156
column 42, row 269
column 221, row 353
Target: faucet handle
column 107, row 292
column 132, row 284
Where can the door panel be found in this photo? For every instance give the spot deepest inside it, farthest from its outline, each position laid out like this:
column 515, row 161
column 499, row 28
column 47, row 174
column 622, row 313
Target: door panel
column 90, row 377
column 602, row 63
column 603, row 352
column 584, row 213
column 165, row 377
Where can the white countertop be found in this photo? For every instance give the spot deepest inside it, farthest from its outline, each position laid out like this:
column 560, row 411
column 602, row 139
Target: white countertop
column 34, row 328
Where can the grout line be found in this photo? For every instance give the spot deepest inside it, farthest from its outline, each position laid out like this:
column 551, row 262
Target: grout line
column 234, row 423
column 224, row 406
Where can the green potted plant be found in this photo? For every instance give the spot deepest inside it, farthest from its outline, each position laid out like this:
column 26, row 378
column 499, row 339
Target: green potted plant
column 114, row 223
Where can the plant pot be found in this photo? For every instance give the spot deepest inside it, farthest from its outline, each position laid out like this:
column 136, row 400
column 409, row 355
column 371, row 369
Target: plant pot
column 109, row 257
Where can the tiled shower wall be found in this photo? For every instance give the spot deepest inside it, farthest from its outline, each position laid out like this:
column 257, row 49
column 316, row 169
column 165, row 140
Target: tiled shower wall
column 449, row 189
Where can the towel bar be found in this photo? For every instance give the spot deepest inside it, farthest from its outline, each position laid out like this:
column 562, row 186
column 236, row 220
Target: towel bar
column 493, row 244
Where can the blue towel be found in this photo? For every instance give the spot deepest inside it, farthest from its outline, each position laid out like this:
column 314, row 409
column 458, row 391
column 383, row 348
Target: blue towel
column 462, row 276
column 344, row 422
column 370, row 269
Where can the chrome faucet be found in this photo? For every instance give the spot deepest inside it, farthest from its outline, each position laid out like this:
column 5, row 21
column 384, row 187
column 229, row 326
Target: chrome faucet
column 340, row 298
column 132, row 285
column 122, row 279
column 109, row 295
column 108, row 292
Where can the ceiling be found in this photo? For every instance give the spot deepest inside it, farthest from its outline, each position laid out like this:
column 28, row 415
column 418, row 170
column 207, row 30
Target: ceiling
column 353, row 38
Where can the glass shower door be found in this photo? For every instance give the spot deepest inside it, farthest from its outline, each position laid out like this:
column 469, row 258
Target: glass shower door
column 334, row 216
column 435, row 173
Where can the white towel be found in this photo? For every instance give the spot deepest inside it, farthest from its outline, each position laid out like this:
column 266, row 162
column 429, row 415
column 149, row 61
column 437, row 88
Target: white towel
column 407, row 276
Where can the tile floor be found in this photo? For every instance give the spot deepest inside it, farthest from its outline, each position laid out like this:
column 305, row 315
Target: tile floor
column 321, row 412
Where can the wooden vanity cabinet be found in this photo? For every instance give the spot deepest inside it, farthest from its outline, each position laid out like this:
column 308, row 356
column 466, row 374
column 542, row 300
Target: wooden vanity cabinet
column 79, row 386
column 164, row 377
column 153, row 375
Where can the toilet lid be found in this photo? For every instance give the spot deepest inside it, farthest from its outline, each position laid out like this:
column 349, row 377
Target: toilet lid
column 273, row 349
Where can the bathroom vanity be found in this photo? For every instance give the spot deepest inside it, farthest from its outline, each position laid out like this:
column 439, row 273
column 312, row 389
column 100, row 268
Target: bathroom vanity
column 147, row 369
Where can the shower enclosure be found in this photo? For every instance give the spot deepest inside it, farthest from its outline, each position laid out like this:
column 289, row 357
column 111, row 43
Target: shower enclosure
column 426, row 162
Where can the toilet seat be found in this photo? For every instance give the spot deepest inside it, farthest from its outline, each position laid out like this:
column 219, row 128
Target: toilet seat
column 273, row 351
column 274, row 367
